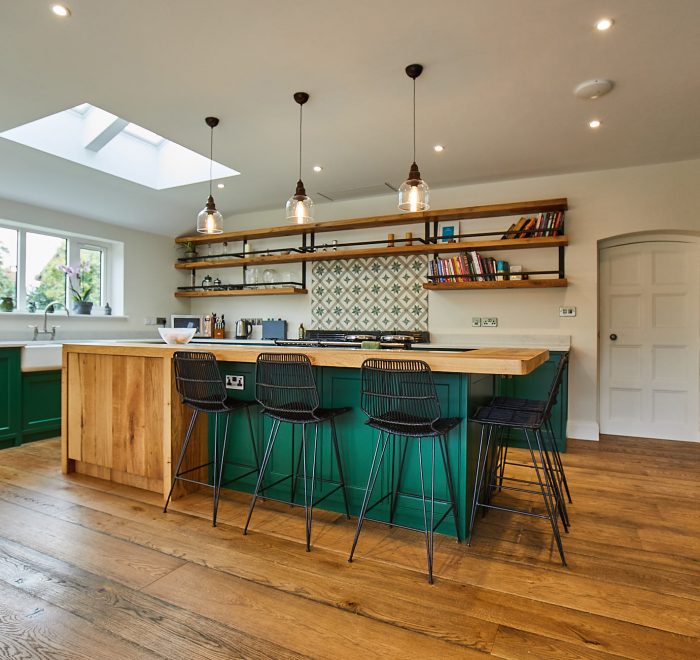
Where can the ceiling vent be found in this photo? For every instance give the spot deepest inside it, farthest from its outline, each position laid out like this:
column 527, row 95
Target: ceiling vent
column 356, row 193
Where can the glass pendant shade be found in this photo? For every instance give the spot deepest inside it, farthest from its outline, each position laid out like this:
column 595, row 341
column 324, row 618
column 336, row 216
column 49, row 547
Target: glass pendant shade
column 414, row 193
column 209, row 220
column 300, row 207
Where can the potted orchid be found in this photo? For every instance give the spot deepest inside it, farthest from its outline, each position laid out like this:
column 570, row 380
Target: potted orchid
column 80, row 290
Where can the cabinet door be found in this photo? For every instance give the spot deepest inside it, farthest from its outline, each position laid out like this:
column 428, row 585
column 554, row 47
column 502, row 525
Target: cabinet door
column 41, row 405
column 536, row 386
column 10, row 385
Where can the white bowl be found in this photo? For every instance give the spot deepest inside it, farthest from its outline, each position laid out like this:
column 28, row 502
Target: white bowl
column 177, row 335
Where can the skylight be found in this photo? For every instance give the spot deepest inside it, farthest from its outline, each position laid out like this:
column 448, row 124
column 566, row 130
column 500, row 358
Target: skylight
column 90, row 136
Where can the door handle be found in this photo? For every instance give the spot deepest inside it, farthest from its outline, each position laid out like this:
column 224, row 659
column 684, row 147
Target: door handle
column 613, row 336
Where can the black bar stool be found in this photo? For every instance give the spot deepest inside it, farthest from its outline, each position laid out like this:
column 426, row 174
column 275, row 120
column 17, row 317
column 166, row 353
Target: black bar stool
column 286, row 389
column 400, row 399
column 495, row 421
column 550, row 441
column 201, row 388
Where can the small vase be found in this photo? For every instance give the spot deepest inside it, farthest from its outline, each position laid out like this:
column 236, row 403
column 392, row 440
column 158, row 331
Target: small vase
column 82, row 307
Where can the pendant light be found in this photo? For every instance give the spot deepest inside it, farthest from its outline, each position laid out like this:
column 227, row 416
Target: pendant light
column 300, row 207
column 414, row 194
column 209, row 220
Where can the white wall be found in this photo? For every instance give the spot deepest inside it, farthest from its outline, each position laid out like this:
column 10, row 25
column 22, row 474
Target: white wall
column 149, row 279
column 602, row 204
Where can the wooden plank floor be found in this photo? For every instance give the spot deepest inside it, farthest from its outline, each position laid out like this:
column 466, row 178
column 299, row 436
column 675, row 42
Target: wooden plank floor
column 90, row 569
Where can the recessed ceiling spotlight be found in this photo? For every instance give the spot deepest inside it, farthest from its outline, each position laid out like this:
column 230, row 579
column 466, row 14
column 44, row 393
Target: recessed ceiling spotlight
column 594, row 123
column 594, row 89
column 60, row 10
column 604, row 24
column 318, row 168
column 439, row 148
column 220, row 185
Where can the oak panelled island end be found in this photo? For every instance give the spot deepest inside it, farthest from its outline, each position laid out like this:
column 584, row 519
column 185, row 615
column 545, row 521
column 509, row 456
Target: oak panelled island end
column 123, row 420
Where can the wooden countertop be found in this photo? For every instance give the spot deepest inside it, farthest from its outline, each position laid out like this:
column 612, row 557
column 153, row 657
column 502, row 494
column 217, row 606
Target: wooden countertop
column 500, row 360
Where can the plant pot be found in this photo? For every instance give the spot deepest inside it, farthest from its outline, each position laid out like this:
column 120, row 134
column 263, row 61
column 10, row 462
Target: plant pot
column 82, row 307
column 7, row 304
column 190, row 255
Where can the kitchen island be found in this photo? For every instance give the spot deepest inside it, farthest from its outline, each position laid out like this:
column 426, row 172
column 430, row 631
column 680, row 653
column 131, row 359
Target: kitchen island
column 123, row 420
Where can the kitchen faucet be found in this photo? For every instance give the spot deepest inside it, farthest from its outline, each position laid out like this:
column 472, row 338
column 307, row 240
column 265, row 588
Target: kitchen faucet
column 46, row 331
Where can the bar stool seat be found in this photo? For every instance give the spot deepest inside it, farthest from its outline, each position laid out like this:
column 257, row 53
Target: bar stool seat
column 201, row 388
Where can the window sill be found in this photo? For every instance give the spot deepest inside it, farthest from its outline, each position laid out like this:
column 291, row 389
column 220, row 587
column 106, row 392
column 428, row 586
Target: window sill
column 60, row 315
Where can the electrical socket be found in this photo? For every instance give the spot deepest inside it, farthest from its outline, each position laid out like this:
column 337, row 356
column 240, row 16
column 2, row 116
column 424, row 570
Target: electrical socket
column 476, row 321
column 567, row 311
column 489, row 322
column 235, row 382
column 150, row 320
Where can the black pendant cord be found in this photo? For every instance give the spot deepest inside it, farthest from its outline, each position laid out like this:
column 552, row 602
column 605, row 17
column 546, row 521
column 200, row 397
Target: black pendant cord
column 211, row 156
column 301, row 114
column 414, row 120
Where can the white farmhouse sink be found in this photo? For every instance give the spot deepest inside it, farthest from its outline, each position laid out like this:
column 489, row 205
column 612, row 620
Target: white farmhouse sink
column 42, row 356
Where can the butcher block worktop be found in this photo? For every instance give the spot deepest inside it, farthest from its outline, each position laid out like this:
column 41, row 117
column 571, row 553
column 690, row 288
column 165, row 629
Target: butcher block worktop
column 496, row 360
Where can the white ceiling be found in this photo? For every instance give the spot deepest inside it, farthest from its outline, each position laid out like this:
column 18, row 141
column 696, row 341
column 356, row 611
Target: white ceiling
column 497, row 91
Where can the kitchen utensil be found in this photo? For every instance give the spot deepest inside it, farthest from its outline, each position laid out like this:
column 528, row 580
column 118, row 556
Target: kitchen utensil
column 243, row 329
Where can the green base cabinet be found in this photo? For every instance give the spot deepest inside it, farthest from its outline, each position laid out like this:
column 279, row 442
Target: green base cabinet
column 10, row 385
column 536, row 386
column 30, row 403
column 41, row 405
column 459, row 396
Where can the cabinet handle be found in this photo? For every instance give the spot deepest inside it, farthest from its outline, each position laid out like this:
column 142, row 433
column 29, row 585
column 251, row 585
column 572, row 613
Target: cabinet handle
column 613, row 336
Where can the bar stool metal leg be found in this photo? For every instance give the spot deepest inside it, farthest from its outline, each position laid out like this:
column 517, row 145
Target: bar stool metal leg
column 181, row 458
column 217, row 486
column 450, row 483
column 263, row 467
column 341, row 476
column 546, row 495
column 397, row 486
column 373, row 473
column 480, row 470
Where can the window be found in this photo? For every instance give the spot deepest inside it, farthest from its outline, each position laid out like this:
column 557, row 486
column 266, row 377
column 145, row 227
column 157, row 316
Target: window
column 8, row 263
column 38, row 267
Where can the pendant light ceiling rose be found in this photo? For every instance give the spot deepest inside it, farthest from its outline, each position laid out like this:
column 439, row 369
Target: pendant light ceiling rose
column 414, row 70
column 209, row 220
column 300, row 207
column 414, row 193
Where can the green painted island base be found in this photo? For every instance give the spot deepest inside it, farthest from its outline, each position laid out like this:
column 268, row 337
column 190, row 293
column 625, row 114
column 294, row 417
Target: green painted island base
column 459, row 394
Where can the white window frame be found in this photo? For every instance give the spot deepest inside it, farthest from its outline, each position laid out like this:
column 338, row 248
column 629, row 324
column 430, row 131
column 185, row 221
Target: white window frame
column 74, row 242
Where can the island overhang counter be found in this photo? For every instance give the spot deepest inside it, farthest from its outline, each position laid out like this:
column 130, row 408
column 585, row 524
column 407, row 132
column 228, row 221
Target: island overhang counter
column 123, row 420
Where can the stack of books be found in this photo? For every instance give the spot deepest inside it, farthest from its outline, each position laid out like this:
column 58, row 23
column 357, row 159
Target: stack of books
column 468, row 267
column 543, row 224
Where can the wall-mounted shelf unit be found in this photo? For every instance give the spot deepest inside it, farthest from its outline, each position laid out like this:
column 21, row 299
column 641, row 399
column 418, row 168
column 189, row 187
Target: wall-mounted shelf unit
column 501, row 284
column 308, row 250
column 278, row 291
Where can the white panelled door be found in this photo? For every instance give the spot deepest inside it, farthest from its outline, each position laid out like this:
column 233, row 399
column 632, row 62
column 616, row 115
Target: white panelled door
column 650, row 339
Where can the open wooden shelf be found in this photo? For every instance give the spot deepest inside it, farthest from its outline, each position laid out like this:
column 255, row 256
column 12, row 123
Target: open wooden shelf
column 383, row 251
column 398, row 219
column 496, row 284
column 280, row 291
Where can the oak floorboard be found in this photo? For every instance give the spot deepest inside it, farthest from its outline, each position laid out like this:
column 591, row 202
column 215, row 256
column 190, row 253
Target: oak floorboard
column 124, row 616
column 629, row 594
column 131, row 564
column 368, row 589
column 32, row 628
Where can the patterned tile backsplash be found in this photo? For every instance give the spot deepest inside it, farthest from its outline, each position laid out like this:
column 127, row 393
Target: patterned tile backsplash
column 381, row 293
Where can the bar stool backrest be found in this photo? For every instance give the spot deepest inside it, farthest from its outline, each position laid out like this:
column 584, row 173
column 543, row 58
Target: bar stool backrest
column 284, row 382
column 399, row 391
column 197, row 377
column 556, row 384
